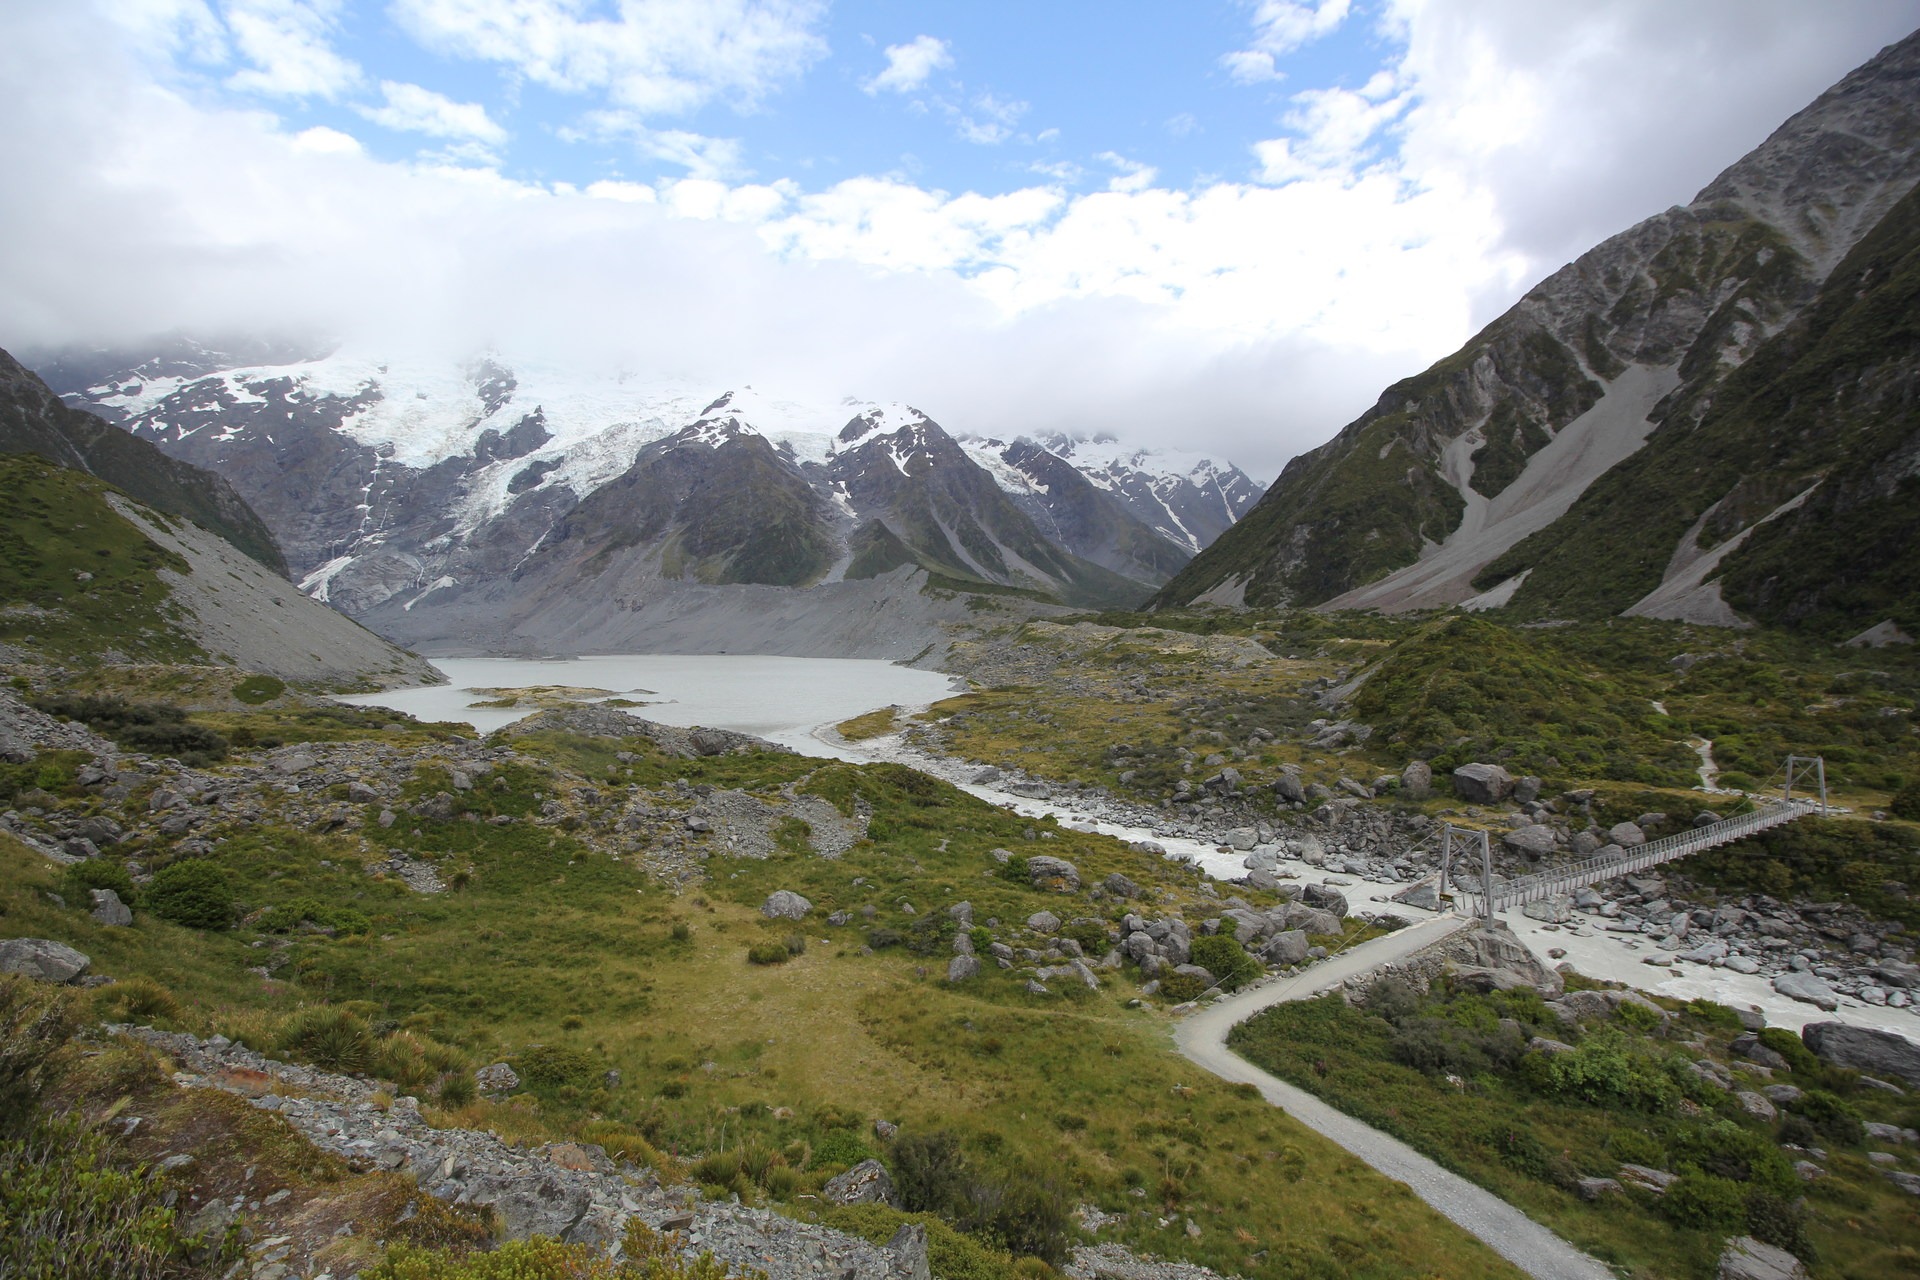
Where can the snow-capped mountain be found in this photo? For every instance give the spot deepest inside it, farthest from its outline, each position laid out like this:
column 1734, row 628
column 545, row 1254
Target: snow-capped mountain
column 402, row 485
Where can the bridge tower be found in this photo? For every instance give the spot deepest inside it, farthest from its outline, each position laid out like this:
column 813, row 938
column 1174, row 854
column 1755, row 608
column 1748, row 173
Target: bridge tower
column 1798, row 767
column 1471, row 835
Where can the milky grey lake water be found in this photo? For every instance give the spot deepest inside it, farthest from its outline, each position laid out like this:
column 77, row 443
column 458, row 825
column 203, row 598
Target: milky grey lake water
column 781, row 699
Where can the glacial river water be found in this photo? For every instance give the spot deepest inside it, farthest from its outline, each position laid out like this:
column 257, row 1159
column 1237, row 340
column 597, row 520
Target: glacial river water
column 797, row 701
column 781, row 699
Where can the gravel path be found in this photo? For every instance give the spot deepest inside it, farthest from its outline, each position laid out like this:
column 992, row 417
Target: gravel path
column 1519, row 1239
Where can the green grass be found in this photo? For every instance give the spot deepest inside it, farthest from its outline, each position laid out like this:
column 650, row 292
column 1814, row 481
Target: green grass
column 548, row 940
column 1511, row 1125
column 77, row 578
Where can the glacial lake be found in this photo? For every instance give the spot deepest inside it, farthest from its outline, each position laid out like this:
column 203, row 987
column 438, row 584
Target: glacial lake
column 781, row 699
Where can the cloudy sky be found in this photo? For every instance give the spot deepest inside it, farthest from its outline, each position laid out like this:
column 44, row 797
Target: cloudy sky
column 1221, row 224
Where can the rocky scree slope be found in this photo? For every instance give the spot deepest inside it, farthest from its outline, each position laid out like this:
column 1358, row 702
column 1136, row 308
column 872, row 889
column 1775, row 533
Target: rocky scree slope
column 89, row 575
column 1582, row 453
column 386, row 480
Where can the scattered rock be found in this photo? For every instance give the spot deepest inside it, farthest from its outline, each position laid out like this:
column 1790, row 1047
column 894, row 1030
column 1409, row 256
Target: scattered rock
column 1748, row 1259
column 109, row 910
column 498, row 1078
column 1805, row 987
column 866, row 1183
column 960, row 968
column 1053, row 873
column 1482, row 783
column 1416, row 780
column 785, row 904
column 1044, row 922
column 1880, row 1052
column 42, row 958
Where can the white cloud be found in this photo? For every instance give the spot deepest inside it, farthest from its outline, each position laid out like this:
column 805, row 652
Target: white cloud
column 413, row 109
column 1280, row 27
column 701, row 156
column 290, row 46
column 991, row 121
column 652, row 57
column 322, row 141
column 909, row 65
column 1133, row 175
column 1244, row 318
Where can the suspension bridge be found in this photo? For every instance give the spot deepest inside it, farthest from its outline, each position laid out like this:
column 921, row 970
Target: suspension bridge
column 1488, row 898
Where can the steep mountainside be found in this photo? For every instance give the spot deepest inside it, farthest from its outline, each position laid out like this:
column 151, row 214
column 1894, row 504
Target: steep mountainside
column 1187, row 499
column 393, row 483
column 87, row 574
column 34, row 420
column 1615, row 379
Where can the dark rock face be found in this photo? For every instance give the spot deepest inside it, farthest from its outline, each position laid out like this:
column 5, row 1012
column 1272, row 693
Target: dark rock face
column 1877, row 1053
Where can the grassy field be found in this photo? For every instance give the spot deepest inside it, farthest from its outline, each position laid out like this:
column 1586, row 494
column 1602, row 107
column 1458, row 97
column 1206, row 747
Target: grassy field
column 1443, row 1074
column 546, row 939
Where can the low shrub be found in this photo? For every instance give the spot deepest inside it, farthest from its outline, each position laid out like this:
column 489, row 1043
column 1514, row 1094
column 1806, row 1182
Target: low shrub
column 932, row 934
column 768, row 953
column 71, row 1207
column 135, row 1000
column 1705, row 1202
column 1181, row 987
column 285, row 917
column 98, row 873
column 194, row 893
column 34, row 1022
column 1222, row 956
column 881, row 939
column 258, row 690
column 331, row 1038
column 554, row 1065
column 1831, row 1117
column 1906, row 802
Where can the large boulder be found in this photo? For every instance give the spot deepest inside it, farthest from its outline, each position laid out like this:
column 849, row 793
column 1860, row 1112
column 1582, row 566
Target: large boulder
column 1325, row 898
column 866, row 1183
column 962, row 967
column 42, row 958
column 1288, row 787
column 1805, row 987
column 785, row 904
column 1876, row 1053
column 1053, row 873
column 1495, row 959
column 1286, row 947
column 1535, row 841
column 1416, row 780
column 1748, row 1259
column 109, row 910
column 1482, row 783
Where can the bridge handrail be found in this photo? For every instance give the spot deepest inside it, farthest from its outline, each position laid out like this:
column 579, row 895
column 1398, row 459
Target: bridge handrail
column 1591, row 870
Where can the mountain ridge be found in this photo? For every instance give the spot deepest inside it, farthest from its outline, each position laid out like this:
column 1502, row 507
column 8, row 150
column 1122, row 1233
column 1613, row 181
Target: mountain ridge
column 1403, row 508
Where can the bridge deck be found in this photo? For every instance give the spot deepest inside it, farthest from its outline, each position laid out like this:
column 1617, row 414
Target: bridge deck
column 1547, row 884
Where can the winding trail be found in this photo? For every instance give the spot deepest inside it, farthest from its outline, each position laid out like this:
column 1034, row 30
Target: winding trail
column 1510, row 1233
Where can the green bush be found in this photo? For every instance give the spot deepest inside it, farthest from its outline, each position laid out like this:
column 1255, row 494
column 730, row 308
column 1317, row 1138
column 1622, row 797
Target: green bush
column 71, row 1207
column 1906, row 802
column 1092, row 937
column 554, row 1065
column 881, row 939
column 1016, row 870
column 34, row 1022
column 1181, row 987
column 288, row 916
column 1605, row 1070
column 331, row 1038
column 258, row 690
column 1704, row 1202
column 932, row 934
column 1729, row 1150
column 1831, row 1117
column 1791, row 1047
column 155, row 728
column 929, row 1170
column 1222, row 956
column 98, row 873
column 194, row 893
column 768, row 953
